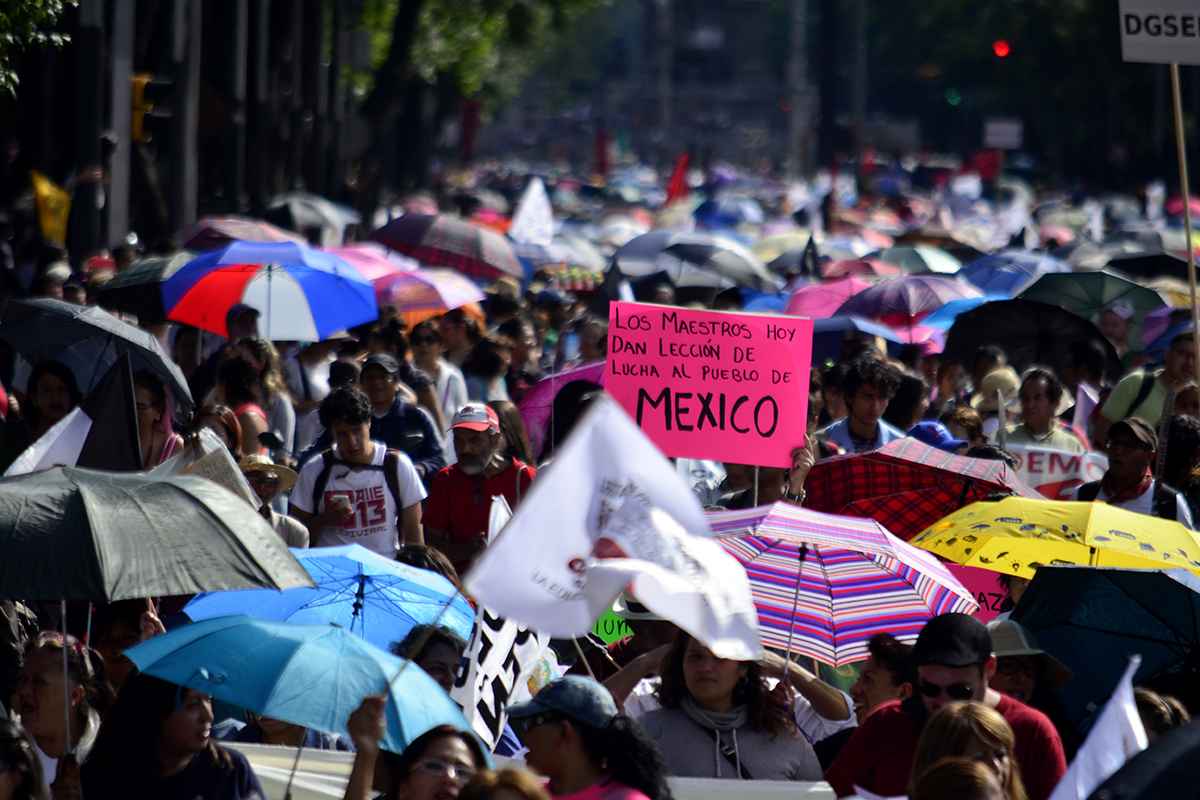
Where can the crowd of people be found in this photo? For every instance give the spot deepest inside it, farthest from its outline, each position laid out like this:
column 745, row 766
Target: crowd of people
column 397, row 436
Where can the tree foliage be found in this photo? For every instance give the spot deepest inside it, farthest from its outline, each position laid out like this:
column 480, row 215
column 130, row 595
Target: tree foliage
column 24, row 23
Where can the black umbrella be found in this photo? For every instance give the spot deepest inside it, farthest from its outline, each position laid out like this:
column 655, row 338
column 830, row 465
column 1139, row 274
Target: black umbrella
column 1151, row 264
column 694, row 259
column 88, row 341
column 83, row 534
column 1029, row 332
column 1168, row 768
column 1092, row 619
column 138, row 288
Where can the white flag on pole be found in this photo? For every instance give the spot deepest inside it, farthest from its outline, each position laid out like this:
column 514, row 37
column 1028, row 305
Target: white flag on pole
column 533, row 222
column 1117, row 736
column 608, row 514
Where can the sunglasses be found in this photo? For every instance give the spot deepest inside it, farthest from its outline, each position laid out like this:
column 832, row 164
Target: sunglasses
column 1010, row 666
column 1125, row 445
column 420, row 340
column 441, row 769
column 260, row 479
column 525, row 724
column 955, row 691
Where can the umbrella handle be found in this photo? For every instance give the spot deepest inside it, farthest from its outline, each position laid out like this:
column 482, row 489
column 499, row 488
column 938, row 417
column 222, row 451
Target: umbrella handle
column 420, row 643
column 787, row 664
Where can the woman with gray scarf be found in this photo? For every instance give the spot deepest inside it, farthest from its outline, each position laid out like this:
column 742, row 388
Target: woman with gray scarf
column 718, row 720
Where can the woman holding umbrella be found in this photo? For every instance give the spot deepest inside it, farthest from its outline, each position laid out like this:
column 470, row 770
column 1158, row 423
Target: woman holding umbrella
column 434, row 766
column 157, row 743
column 52, row 395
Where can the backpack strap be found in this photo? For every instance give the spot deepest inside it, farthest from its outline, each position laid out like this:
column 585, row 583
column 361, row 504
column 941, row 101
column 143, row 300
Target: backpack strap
column 1165, row 504
column 1089, row 491
column 322, row 478
column 1148, row 379
column 391, row 468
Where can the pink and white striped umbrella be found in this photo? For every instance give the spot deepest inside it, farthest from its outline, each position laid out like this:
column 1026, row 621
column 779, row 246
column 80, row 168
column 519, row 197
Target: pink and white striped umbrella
column 858, row 579
column 427, row 290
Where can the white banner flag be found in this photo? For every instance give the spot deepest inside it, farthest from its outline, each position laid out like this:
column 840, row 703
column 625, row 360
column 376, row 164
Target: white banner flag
column 1056, row 473
column 1117, row 736
column 609, row 513
column 533, row 222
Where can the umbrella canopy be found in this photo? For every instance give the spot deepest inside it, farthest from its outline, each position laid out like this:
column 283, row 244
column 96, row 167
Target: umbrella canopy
column 857, row 579
column 214, row 233
column 694, row 259
column 772, row 247
column 908, row 299
column 310, row 675
column 303, row 294
column 944, row 317
column 429, row 292
column 1151, row 264
column 88, row 340
column 304, row 211
column 550, row 256
column 920, row 258
column 375, row 598
column 118, row 536
column 1087, row 293
column 858, row 266
column 372, row 260
column 1092, row 619
column 440, row 241
column 1029, row 332
column 1167, row 768
column 905, row 485
column 538, row 405
column 829, row 336
column 729, row 210
column 1010, row 271
column 821, row 300
column 138, row 288
column 1017, row 535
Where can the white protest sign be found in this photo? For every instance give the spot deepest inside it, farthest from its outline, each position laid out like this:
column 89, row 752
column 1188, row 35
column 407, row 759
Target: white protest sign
column 1160, row 31
column 1056, row 473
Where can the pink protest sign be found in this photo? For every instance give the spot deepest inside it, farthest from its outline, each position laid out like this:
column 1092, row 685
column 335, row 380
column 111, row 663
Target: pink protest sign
column 712, row 384
column 984, row 585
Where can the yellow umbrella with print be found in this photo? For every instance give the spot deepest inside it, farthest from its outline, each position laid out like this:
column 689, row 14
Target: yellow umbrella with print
column 1017, row 535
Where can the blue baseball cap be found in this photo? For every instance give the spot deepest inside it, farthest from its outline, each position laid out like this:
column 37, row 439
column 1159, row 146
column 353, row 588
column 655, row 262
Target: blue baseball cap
column 575, row 697
column 935, row 434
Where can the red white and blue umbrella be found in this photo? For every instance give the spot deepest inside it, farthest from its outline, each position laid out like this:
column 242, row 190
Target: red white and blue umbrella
column 857, row 580
column 302, row 294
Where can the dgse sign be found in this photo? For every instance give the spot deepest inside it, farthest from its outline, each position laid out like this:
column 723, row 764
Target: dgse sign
column 1160, row 31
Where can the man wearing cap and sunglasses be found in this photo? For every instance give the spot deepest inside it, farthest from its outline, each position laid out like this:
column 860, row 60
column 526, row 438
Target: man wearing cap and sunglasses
column 460, row 497
column 954, row 661
column 1129, row 482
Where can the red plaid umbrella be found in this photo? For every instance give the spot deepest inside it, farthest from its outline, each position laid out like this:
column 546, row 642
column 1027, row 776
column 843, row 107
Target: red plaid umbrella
column 440, row 241
column 213, row 233
column 905, row 485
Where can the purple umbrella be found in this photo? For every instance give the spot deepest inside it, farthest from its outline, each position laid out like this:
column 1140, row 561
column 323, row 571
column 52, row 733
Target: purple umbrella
column 908, row 299
column 537, row 407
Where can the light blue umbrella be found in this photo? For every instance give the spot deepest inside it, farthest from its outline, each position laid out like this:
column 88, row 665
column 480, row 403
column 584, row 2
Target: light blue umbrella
column 1010, row 271
column 310, row 675
column 373, row 597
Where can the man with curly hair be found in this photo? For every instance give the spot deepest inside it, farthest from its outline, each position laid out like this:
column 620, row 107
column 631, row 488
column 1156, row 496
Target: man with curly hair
column 867, row 387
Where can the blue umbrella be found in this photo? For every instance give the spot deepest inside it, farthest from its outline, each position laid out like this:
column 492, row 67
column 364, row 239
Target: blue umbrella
column 373, row 597
column 302, row 294
column 829, row 335
column 310, row 675
column 1010, row 271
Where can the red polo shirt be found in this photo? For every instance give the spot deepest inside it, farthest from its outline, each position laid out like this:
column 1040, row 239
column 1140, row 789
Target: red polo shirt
column 879, row 755
column 458, row 504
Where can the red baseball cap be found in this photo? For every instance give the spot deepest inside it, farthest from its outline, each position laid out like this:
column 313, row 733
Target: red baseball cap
column 475, row 417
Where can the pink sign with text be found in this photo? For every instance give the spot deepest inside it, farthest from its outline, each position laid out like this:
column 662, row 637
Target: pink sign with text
column 984, row 585
column 712, row 384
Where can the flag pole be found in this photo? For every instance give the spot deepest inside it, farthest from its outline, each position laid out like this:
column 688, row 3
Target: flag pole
column 1187, row 205
column 787, row 665
column 583, row 658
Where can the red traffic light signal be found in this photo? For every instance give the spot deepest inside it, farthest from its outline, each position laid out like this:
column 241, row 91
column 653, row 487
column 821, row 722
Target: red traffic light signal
column 1000, row 48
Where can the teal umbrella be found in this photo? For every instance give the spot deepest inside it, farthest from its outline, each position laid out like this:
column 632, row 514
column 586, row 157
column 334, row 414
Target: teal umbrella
column 1087, row 293
column 310, row 675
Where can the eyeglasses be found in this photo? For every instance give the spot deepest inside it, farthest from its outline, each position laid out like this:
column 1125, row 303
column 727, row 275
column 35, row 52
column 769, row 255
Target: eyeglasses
column 525, row 724
column 420, row 340
column 955, row 691
column 1125, row 445
column 262, row 479
column 442, row 769
column 144, row 407
column 1011, row 666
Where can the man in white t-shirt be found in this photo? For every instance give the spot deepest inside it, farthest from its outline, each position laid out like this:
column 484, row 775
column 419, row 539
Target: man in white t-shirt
column 358, row 491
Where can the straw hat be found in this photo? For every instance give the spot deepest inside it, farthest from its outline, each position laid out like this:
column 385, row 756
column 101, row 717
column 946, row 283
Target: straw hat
column 1011, row 639
column 1004, row 380
column 260, row 463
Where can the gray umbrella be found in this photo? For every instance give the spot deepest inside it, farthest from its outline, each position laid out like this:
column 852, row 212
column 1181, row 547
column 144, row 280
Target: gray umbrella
column 88, row 341
column 695, row 259
column 82, row 534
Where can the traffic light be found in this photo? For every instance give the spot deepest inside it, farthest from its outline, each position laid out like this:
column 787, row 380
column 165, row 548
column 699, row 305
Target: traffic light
column 1001, row 48
column 147, row 90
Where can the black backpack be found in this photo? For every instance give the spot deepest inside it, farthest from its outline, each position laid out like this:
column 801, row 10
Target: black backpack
column 391, row 464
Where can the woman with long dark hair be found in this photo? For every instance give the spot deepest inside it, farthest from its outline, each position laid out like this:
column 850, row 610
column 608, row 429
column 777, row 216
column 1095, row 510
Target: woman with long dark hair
column 514, row 441
column 486, row 369
column 718, row 720
column 154, row 412
column 156, row 744
column 577, row 740
column 221, row 420
column 237, row 386
column 52, row 394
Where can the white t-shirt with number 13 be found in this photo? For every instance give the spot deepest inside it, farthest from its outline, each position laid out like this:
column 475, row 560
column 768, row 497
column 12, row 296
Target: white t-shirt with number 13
column 373, row 524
